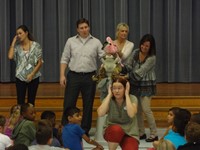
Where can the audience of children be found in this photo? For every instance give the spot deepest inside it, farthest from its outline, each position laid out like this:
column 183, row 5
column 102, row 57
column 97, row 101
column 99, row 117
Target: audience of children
column 12, row 120
column 43, row 136
column 5, row 141
column 72, row 133
column 24, row 131
column 51, row 116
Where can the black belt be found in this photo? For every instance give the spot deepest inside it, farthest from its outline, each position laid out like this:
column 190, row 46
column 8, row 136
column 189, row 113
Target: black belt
column 82, row 73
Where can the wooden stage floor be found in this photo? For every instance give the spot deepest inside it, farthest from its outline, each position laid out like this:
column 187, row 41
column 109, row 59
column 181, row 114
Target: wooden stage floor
column 55, row 90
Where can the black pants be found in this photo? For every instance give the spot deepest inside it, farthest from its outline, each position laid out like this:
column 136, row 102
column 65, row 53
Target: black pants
column 22, row 86
column 80, row 83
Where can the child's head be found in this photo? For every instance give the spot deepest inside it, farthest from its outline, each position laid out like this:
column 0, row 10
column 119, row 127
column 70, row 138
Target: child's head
column 14, row 114
column 195, row 118
column 28, row 111
column 171, row 114
column 2, row 123
column 192, row 132
column 181, row 119
column 165, row 145
column 44, row 132
column 50, row 115
column 73, row 115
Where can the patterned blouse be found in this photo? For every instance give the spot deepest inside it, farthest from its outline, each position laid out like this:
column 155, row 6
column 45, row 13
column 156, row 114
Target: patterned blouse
column 142, row 75
column 27, row 60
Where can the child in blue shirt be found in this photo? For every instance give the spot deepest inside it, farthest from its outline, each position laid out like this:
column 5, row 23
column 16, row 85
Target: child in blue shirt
column 72, row 133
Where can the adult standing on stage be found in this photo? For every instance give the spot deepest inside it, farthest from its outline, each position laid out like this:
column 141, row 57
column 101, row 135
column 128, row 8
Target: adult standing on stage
column 125, row 46
column 27, row 54
column 142, row 77
column 80, row 57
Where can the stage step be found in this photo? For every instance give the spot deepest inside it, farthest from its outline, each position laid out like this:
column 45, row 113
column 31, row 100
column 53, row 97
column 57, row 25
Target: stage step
column 160, row 106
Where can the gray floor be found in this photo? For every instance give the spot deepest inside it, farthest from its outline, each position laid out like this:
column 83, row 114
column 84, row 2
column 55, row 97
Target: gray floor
column 143, row 145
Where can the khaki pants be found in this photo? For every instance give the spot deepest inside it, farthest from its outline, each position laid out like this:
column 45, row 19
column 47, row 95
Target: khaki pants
column 144, row 106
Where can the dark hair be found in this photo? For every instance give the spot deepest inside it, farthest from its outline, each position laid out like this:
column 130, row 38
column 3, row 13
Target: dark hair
column 18, row 147
column 24, row 107
column 44, row 132
column 82, row 20
column 47, row 114
column 149, row 38
column 2, row 120
column 195, row 118
column 25, row 29
column 70, row 112
column 181, row 119
column 175, row 110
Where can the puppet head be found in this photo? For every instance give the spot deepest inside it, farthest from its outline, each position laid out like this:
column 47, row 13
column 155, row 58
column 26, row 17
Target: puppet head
column 109, row 47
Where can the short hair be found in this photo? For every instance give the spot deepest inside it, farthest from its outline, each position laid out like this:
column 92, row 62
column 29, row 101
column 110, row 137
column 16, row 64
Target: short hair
column 119, row 26
column 24, row 107
column 44, row 132
column 71, row 111
column 47, row 114
column 2, row 121
column 82, row 20
column 165, row 145
column 192, row 132
column 195, row 118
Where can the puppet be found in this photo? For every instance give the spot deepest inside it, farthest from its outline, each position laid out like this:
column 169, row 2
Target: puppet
column 111, row 66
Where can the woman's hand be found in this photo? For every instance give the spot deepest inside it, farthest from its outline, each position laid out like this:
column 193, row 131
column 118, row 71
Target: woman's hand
column 127, row 88
column 110, row 90
column 30, row 77
column 14, row 41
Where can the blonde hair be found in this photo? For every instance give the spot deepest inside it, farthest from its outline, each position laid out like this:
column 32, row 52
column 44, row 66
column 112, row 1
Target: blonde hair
column 165, row 145
column 119, row 26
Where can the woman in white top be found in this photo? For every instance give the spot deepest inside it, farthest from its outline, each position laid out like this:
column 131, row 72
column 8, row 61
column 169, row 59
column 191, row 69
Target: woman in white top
column 125, row 47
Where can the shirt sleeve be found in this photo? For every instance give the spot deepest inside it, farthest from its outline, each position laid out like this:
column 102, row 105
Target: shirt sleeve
column 66, row 53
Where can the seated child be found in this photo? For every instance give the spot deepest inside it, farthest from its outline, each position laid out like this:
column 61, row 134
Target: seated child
column 12, row 120
column 5, row 141
column 192, row 135
column 176, row 134
column 51, row 116
column 44, row 137
column 170, row 119
column 24, row 131
column 72, row 133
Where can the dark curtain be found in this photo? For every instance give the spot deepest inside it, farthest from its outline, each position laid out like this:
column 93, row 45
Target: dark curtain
column 174, row 23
